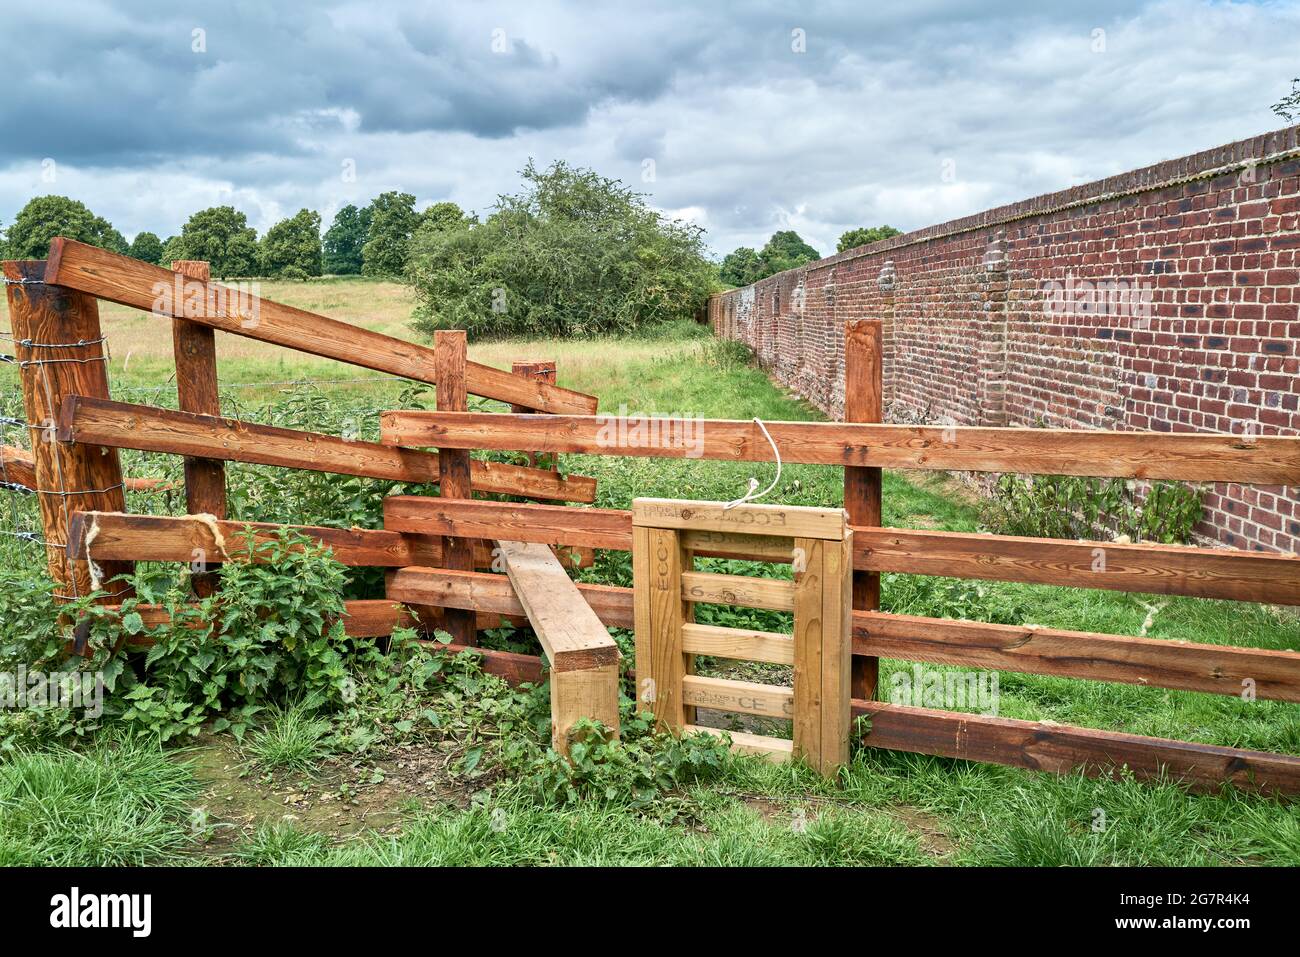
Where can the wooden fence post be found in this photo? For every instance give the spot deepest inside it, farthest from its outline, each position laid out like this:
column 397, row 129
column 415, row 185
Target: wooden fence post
column 195, row 348
column 545, row 371
column 61, row 352
column 864, row 402
column 449, row 347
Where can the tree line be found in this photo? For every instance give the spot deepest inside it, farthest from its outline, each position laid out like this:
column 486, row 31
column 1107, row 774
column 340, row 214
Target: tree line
column 373, row 240
column 786, row 250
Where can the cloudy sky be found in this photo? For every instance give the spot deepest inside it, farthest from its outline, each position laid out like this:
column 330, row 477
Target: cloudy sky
column 743, row 117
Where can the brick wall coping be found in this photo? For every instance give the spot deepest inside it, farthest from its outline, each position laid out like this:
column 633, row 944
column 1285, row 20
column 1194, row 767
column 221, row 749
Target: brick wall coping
column 1263, row 150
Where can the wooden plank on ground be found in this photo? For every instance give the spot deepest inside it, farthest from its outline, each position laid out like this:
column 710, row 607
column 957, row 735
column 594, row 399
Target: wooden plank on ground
column 1063, row 749
column 123, row 425
column 1193, row 457
column 159, row 291
column 1156, row 662
column 583, row 693
column 569, row 631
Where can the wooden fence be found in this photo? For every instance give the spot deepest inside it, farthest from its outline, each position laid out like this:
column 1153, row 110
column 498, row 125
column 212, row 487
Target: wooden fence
column 434, row 546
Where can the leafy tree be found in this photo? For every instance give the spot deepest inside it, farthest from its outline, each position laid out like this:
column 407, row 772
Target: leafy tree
column 786, row 250
column 1289, row 106
column 572, row 253
column 393, row 221
column 741, row 267
column 292, row 247
column 443, row 216
column 344, row 241
column 221, row 236
column 864, row 235
column 45, row 217
column 147, row 247
column 171, row 250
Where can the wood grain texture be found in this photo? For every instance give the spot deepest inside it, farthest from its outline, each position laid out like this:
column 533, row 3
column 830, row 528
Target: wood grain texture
column 1156, row 662
column 160, row 538
column 449, row 348
column 837, row 653
column 1062, row 749
column 195, row 349
column 772, row 593
column 776, row 750
column 123, row 425
column 481, row 591
column 569, row 631
column 58, row 343
column 864, row 401
column 809, row 578
column 1157, row 569
column 1150, row 661
column 583, row 693
column 1195, row 457
column 17, row 467
column 741, row 644
column 513, row 521
column 743, row 697
column 128, row 281
column 664, row 666
column 782, row 520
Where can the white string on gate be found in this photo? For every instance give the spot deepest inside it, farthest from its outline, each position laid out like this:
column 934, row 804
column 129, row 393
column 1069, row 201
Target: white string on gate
column 752, row 495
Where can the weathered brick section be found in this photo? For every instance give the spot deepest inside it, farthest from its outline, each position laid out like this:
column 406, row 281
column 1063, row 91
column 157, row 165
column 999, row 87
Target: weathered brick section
column 1212, row 238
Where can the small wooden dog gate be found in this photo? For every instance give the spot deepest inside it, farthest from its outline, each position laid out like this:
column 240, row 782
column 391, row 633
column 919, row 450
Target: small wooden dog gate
column 818, row 543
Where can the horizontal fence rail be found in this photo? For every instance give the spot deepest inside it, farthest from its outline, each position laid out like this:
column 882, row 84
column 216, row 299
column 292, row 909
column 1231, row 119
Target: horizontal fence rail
column 165, row 538
column 148, row 429
column 1157, row 569
column 130, row 282
column 1192, row 457
column 1044, row 746
column 1154, row 662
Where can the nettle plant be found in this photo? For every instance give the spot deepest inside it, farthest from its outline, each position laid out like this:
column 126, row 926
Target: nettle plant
column 1067, row 506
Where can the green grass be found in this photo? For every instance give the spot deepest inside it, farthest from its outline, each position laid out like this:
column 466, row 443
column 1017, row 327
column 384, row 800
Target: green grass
column 113, row 804
column 294, row 738
column 129, row 804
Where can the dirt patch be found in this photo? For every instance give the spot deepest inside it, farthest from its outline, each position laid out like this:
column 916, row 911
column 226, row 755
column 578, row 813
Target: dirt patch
column 929, row 828
column 343, row 797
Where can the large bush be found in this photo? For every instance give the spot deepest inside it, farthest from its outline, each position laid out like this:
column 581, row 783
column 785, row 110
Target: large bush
column 571, row 254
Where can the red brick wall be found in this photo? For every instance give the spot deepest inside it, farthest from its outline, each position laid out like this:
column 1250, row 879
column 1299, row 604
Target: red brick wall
column 1210, row 240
